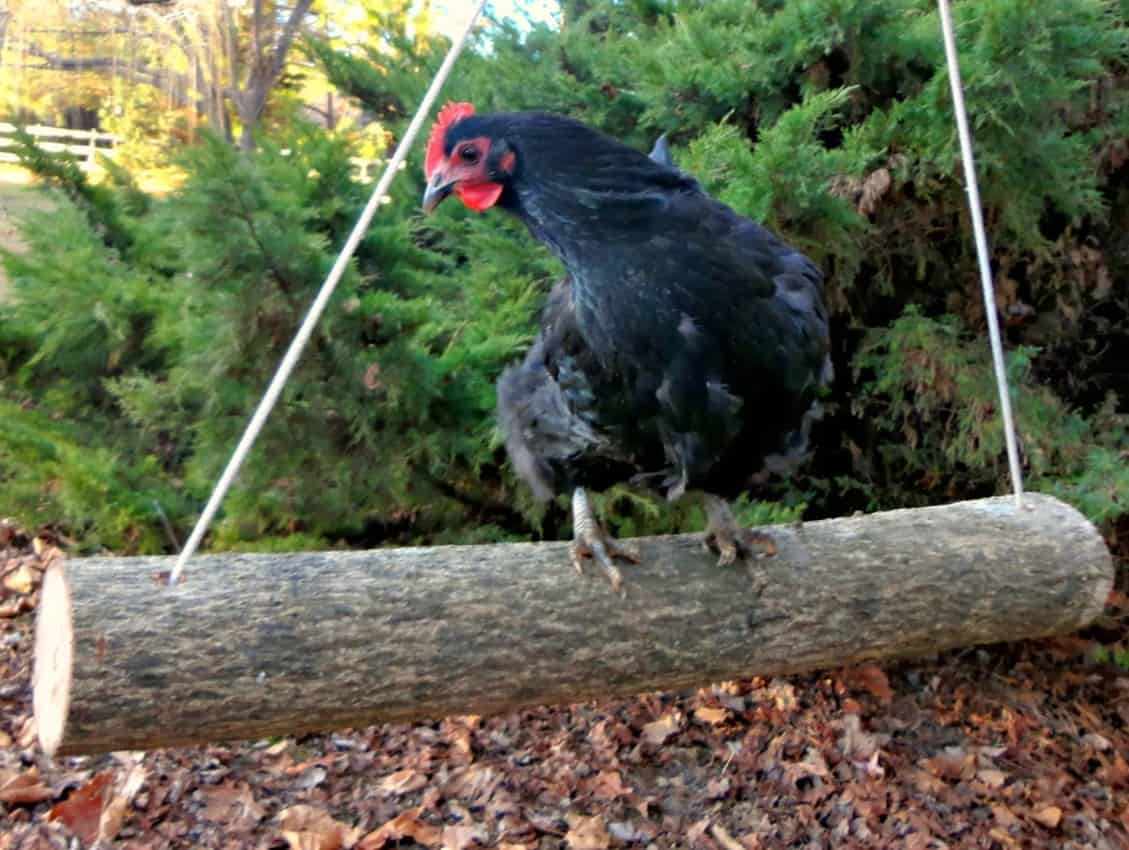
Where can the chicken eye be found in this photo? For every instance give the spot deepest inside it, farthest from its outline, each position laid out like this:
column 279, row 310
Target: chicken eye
column 469, row 154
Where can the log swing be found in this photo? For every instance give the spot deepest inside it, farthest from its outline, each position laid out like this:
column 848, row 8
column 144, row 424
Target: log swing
column 319, row 640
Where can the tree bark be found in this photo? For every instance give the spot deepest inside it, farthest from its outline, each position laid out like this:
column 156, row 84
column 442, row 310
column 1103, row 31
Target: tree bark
column 267, row 64
column 256, row 645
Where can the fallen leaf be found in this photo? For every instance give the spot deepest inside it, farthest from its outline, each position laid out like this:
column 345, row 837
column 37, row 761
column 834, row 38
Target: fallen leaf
column 697, row 830
column 713, row 716
column 463, row 835
column 22, row 579
column 625, row 832
column 15, row 606
column 404, row 825
column 1096, row 742
column 783, row 695
column 81, row 812
column 870, row 767
column 28, row 733
column 607, row 785
column 371, row 379
column 657, row 731
column 725, row 839
column 717, row 788
column 1003, row 837
column 308, row 828
column 231, row 806
column 587, row 833
column 874, row 187
column 1004, row 816
column 24, row 789
column 113, row 815
column 402, row 782
column 874, row 681
column 855, row 743
column 952, row 763
column 1049, row 816
column 991, row 777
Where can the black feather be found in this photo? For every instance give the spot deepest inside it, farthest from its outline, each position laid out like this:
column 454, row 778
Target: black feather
column 688, row 346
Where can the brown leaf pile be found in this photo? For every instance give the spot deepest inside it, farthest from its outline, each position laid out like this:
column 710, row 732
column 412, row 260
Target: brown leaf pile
column 1017, row 746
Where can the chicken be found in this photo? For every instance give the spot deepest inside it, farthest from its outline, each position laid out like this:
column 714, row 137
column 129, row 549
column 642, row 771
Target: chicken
column 687, row 347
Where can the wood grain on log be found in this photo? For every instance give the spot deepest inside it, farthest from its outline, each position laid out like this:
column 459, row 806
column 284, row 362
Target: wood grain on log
column 257, row 645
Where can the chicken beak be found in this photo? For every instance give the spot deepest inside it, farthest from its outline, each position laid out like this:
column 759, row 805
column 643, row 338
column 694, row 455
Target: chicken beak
column 438, row 188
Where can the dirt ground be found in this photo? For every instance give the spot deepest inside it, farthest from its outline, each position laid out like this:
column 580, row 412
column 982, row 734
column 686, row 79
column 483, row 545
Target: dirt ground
column 1004, row 747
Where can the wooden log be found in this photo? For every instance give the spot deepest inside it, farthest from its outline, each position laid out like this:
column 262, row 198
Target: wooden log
column 256, row 645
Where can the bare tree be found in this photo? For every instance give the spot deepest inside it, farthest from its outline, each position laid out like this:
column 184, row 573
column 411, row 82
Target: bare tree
column 269, row 46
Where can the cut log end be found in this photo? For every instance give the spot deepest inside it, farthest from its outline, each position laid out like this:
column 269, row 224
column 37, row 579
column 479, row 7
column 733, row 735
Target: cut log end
column 54, row 658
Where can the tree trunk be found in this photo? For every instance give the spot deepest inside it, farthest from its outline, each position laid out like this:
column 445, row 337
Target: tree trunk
column 256, row 645
column 267, row 64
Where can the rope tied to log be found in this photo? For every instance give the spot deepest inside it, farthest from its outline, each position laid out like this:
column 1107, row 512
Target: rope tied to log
column 305, row 330
column 987, row 285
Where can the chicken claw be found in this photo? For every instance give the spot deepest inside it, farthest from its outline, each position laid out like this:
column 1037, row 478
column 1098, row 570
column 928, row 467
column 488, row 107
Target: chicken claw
column 591, row 540
column 725, row 536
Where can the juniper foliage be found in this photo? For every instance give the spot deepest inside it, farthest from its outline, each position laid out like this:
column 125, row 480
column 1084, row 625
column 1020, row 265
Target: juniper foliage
column 143, row 330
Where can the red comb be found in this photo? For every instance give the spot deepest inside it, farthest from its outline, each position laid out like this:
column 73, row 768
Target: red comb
column 448, row 115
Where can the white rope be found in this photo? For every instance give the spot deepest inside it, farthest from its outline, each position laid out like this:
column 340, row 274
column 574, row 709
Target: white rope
column 302, row 337
column 981, row 250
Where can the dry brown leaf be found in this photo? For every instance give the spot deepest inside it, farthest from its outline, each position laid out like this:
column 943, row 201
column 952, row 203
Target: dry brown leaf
column 1096, row 742
column 24, row 789
column 783, row 695
column 710, row 715
column 308, row 828
column 113, row 815
column 587, row 833
column 22, row 579
column 697, row 830
column 231, row 806
column 1003, row 837
column 952, row 763
column 876, row 184
column 403, row 782
column 1004, row 816
column 725, row 839
column 15, row 606
column 81, row 812
column 717, row 788
column 463, row 835
column 607, row 785
column 28, row 733
column 856, row 744
column 371, row 379
column 657, row 731
column 1048, row 816
column 873, row 680
column 404, row 825
column 991, row 777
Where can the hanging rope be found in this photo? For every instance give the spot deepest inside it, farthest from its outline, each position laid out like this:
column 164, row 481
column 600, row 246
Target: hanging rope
column 981, row 237
column 302, row 337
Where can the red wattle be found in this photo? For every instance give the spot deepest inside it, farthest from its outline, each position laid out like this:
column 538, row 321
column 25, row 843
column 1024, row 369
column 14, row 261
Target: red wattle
column 479, row 196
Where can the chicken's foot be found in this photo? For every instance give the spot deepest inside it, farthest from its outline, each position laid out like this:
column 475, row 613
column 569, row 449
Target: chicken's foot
column 591, row 540
column 726, row 537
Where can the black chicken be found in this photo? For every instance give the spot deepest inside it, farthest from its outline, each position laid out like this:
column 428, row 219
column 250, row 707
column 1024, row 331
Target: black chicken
column 685, row 350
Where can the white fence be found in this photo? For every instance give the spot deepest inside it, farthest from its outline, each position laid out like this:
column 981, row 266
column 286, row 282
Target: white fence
column 84, row 144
